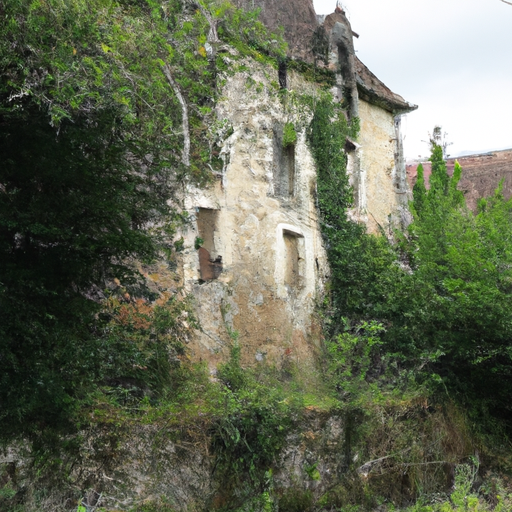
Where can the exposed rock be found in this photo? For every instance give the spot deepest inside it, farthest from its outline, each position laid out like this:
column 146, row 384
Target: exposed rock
column 122, row 469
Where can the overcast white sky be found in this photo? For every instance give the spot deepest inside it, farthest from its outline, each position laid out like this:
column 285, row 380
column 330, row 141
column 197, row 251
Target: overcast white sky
column 452, row 58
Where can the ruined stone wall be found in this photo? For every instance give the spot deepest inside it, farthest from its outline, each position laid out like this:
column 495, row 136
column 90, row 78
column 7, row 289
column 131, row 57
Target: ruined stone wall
column 376, row 162
column 164, row 460
column 259, row 229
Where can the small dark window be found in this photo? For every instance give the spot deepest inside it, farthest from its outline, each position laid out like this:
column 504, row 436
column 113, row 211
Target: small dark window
column 210, row 262
column 289, row 169
column 291, row 276
column 284, row 167
column 282, row 72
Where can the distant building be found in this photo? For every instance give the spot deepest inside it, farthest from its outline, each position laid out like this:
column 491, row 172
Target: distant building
column 481, row 174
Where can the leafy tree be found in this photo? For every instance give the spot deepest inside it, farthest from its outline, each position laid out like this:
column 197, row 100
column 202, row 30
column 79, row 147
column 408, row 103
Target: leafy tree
column 87, row 170
column 104, row 112
column 452, row 307
column 419, row 191
column 441, row 294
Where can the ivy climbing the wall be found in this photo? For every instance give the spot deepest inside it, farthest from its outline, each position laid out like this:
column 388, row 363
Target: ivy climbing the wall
column 356, row 259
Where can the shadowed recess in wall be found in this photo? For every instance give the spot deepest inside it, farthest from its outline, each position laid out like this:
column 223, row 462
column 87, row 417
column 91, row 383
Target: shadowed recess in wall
column 284, row 165
column 210, row 263
column 294, row 260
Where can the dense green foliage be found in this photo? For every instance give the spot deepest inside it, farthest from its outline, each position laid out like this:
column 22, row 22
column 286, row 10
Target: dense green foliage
column 289, row 135
column 440, row 294
column 358, row 262
column 250, row 433
column 92, row 148
column 459, row 290
column 422, row 318
column 76, row 126
column 96, row 102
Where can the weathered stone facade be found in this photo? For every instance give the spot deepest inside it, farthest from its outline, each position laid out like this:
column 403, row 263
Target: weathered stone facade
column 261, row 266
column 297, row 17
column 262, row 263
column 381, row 191
column 376, row 161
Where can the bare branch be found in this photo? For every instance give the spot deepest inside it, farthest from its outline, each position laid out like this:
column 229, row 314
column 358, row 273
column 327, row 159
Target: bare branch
column 213, row 38
column 505, row 2
column 212, row 35
column 185, row 157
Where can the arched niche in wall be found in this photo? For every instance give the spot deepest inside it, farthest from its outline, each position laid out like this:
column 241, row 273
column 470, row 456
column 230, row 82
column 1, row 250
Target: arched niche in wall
column 283, row 166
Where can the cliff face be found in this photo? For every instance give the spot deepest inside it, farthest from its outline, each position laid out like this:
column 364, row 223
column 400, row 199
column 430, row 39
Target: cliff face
column 297, row 17
column 164, row 467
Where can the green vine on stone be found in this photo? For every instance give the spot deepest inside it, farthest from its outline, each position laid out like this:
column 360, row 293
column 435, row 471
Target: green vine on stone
column 289, row 135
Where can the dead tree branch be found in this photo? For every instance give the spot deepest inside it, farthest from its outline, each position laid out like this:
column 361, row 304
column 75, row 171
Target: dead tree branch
column 213, row 37
column 212, row 34
column 185, row 157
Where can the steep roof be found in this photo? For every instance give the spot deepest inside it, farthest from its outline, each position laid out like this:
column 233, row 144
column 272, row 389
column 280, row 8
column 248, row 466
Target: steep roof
column 369, row 87
column 300, row 21
column 374, row 91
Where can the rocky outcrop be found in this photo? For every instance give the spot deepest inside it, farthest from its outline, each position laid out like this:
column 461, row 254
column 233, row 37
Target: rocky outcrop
column 168, row 462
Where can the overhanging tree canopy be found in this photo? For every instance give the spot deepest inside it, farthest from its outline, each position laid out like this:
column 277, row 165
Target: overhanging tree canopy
column 90, row 146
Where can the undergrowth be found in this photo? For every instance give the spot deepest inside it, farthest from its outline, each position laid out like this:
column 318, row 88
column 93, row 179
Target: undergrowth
column 398, row 448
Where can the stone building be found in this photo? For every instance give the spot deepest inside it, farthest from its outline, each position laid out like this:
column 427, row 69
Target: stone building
column 376, row 161
column 261, row 265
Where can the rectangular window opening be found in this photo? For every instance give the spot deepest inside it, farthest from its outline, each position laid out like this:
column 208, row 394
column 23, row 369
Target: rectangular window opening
column 282, row 73
column 210, row 262
column 284, row 167
column 294, row 260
